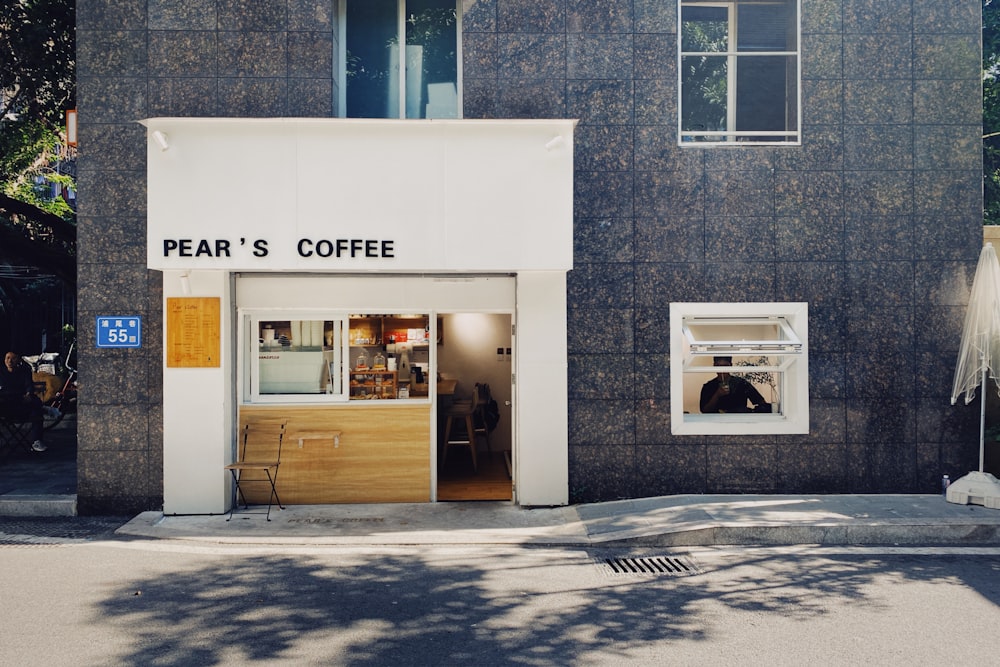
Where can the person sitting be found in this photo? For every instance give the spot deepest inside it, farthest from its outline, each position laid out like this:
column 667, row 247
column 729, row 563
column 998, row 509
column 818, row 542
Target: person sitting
column 728, row 393
column 17, row 396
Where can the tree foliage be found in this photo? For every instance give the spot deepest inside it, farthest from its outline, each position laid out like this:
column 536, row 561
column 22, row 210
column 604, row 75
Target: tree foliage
column 37, row 86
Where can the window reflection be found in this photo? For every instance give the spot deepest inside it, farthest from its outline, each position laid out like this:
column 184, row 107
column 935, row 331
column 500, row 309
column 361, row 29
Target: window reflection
column 299, row 356
column 374, row 60
column 733, row 385
column 739, row 71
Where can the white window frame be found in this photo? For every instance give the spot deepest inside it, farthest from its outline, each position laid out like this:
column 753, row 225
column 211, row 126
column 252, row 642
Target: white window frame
column 401, row 33
column 731, row 137
column 691, row 354
column 249, row 320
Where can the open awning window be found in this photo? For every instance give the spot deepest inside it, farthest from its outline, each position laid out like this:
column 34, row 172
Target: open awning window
column 764, row 346
column 709, row 337
column 742, row 335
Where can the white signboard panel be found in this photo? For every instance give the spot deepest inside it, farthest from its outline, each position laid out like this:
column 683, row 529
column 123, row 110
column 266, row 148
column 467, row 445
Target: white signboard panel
column 350, row 195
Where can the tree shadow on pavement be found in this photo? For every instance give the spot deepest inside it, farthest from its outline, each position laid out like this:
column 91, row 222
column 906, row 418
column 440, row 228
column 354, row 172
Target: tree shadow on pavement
column 409, row 608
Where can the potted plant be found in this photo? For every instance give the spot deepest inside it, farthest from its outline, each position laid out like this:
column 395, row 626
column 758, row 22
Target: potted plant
column 762, row 379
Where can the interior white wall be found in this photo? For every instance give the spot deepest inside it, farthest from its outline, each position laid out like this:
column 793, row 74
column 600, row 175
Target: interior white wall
column 198, row 412
column 469, row 355
column 541, row 390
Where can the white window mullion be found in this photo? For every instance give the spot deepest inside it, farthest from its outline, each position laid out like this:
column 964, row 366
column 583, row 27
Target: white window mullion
column 341, row 56
column 401, row 62
column 733, row 61
column 459, row 83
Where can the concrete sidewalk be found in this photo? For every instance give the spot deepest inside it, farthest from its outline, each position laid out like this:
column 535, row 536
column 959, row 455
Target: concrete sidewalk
column 44, row 485
column 691, row 520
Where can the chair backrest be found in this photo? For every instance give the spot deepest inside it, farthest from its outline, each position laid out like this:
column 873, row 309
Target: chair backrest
column 481, row 396
column 262, row 442
column 485, row 407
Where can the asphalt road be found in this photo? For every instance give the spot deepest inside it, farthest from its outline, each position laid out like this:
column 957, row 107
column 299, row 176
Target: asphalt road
column 94, row 599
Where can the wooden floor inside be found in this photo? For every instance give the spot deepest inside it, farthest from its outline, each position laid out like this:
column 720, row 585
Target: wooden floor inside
column 458, row 481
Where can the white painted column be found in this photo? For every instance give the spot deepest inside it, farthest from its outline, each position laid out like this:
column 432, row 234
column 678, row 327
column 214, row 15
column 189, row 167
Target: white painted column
column 197, row 411
column 541, row 391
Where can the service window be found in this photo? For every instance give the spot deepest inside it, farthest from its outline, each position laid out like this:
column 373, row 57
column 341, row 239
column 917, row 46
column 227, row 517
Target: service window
column 389, row 356
column 739, row 368
column 294, row 357
column 322, row 357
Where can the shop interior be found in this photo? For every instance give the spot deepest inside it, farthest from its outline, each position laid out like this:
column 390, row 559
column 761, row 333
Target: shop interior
column 476, row 348
column 389, row 358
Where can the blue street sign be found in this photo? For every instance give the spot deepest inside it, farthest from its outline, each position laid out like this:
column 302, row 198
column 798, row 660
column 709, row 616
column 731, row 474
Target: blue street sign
column 119, row 331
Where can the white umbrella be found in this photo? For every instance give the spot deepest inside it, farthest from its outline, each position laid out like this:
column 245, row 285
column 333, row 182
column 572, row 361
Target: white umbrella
column 979, row 358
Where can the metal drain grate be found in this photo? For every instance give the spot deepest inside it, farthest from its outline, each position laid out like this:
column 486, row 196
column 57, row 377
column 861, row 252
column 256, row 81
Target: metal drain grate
column 28, row 541
column 647, row 566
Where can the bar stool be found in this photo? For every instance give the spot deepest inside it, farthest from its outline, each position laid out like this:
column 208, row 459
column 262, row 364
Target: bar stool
column 462, row 412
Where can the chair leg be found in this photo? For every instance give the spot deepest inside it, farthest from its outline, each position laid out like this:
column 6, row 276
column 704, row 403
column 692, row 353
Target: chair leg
column 274, row 493
column 486, row 436
column 236, row 490
column 273, row 498
column 237, row 494
column 447, row 434
column 470, row 434
column 470, row 429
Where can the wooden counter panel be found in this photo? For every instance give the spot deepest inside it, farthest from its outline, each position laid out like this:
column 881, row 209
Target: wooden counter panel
column 383, row 455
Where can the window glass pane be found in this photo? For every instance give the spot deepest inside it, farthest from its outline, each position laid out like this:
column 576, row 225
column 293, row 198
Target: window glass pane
column 431, row 59
column 728, row 335
column 389, row 356
column 763, row 86
column 733, row 385
column 704, row 29
column 765, row 27
column 372, row 76
column 705, row 84
column 299, row 357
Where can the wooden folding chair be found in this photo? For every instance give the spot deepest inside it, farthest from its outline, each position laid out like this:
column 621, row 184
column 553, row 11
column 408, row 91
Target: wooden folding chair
column 259, row 458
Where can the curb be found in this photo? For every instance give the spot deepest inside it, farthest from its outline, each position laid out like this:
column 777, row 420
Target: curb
column 864, row 534
column 25, row 505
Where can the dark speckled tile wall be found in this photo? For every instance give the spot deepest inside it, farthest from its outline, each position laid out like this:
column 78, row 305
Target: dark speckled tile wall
column 874, row 219
column 138, row 59
column 848, row 222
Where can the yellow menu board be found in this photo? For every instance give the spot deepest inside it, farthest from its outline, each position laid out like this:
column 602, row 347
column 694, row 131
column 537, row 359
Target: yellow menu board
column 192, row 335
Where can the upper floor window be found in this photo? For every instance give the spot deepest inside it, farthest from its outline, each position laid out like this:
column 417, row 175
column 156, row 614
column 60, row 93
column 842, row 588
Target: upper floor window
column 739, row 71
column 371, row 60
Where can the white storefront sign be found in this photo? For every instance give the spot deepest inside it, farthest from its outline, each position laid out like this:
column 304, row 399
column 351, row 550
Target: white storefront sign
column 351, row 195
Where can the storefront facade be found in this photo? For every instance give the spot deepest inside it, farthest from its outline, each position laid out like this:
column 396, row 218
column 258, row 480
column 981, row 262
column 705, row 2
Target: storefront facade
column 399, row 229
column 844, row 227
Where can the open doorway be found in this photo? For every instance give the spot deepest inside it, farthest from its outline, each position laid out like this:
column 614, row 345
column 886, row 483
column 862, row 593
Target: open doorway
column 475, row 349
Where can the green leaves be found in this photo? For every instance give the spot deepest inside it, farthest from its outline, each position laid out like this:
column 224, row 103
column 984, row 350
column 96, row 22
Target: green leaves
column 37, row 87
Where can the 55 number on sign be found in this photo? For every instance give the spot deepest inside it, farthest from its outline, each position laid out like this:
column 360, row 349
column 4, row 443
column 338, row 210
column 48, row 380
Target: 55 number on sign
column 119, row 331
